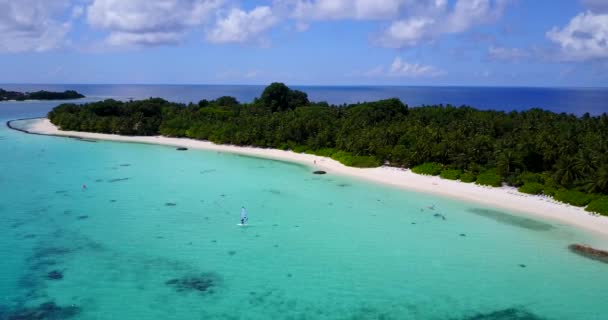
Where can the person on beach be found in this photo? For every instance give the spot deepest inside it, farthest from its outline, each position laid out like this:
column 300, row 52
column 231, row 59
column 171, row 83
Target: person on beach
column 243, row 215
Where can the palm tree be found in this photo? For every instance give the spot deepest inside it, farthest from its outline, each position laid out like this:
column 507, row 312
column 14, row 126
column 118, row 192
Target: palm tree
column 565, row 171
column 507, row 161
column 584, row 163
column 599, row 181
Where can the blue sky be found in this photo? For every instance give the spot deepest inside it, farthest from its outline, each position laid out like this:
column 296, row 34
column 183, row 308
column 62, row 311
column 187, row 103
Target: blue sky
column 306, row 42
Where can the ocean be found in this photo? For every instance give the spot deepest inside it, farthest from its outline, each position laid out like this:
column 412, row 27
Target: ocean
column 569, row 100
column 154, row 235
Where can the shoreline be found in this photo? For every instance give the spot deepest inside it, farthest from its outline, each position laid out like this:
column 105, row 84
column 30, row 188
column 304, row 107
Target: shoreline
column 503, row 197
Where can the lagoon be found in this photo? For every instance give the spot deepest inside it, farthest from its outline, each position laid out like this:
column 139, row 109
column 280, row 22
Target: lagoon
column 154, row 236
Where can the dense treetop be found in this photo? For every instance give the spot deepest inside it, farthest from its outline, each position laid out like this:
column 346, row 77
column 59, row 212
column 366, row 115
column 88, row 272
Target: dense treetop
column 39, row 95
column 558, row 152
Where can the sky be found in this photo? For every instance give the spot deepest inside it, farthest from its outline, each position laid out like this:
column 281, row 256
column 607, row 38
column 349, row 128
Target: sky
column 306, row 42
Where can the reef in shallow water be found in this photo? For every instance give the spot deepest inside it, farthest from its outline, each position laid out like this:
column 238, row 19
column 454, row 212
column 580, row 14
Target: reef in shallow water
column 45, row 311
column 589, row 252
column 43, row 253
column 273, row 191
column 505, row 314
column 203, row 283
column 55, row 275
column 513, row 220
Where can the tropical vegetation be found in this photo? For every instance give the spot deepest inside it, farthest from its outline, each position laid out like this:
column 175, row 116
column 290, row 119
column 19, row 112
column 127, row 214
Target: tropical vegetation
column 39, row 95
column 541, row 152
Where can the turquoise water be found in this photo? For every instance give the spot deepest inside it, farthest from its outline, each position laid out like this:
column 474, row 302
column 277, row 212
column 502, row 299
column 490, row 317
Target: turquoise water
column 154, row 236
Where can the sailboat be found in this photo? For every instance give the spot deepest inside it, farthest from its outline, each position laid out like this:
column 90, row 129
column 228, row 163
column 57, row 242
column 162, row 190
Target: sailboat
column 243, row 217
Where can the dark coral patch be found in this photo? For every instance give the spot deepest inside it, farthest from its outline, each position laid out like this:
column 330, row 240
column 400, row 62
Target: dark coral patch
column 439, row 215
column 55, row 275
column 42, row 253
column 17, row 224
column 589, row 252
column 505, row 314
column 203, row 283
column 513, row 220
column 47, row 310
column 42, row 264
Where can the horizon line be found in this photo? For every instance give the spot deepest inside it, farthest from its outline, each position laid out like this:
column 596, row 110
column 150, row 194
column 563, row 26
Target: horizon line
column 309, row 85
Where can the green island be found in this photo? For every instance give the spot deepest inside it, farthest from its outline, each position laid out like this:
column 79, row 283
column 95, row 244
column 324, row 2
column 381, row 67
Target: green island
column 39, row 95
column 540, row 152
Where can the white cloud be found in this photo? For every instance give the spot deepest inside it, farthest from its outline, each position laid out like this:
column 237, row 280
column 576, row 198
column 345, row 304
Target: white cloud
column 437, row 19
column 149, row 22
column 509, row 54
column 252, row 74
column 408, row 32
column 345, row 9
column 32, row 25
column 596, row 5
column 375, row 72
column 77, row 12
column 585, row 37
column 302, row 26
column 143, row 39
column 468, row 13
column 401, row 68
column 241, row 27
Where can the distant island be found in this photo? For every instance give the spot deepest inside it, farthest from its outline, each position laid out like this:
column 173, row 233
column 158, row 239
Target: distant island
column 537, row 151
column 39, row 95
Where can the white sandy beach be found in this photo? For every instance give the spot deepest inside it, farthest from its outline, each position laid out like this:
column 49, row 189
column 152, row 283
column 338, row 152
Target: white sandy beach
column 505, row 197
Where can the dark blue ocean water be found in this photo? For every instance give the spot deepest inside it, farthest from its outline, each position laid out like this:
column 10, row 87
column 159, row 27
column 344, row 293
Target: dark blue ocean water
column 569, row 100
